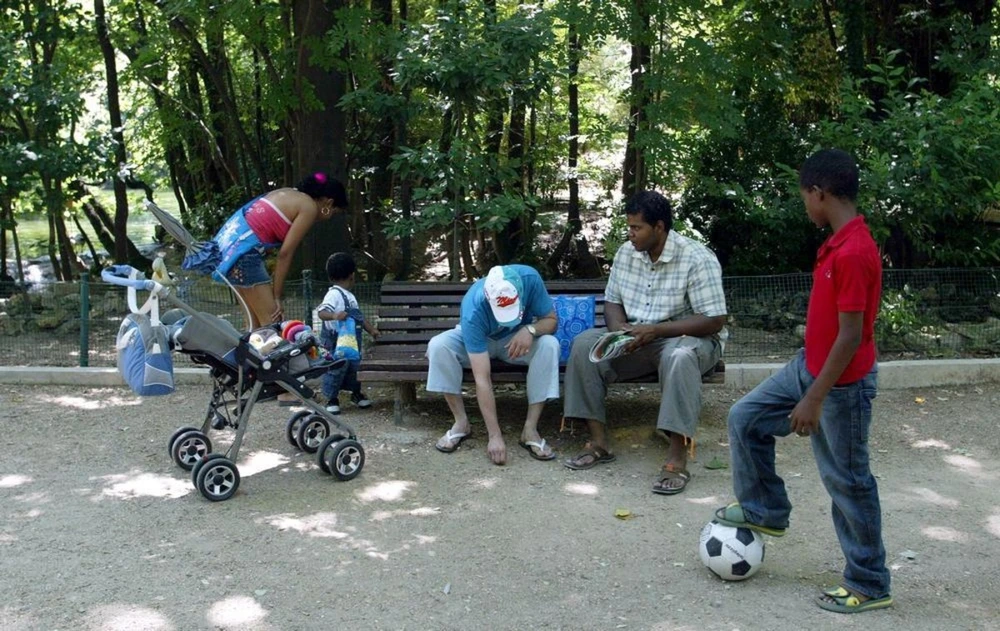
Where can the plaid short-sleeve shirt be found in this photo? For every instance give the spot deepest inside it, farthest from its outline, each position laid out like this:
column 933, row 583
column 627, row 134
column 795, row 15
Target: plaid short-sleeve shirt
column 685, row 280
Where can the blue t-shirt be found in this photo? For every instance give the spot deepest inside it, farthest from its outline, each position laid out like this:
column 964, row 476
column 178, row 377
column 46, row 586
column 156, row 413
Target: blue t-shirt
column 478, row 323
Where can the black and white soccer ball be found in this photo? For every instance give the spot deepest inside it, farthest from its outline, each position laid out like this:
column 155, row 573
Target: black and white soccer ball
column 733, row 554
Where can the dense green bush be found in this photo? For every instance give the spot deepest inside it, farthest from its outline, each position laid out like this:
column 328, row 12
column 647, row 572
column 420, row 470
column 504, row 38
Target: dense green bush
column 930, row 165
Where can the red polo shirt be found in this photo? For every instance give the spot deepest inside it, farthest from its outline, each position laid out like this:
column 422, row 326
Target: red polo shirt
column 847, row 278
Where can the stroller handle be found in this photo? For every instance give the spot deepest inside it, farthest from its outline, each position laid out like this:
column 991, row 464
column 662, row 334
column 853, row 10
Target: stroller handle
column 121, row 275
column 131, row 278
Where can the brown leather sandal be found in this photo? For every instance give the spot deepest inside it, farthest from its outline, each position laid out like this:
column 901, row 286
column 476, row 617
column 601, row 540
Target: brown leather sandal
column 590, row 458
column 667, row 474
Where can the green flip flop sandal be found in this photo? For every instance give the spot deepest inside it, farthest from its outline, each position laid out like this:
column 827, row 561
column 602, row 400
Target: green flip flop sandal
column 733, row 516
column 841, row 600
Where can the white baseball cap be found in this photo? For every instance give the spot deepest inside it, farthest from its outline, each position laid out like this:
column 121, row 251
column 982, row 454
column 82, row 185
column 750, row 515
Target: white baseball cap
column 503, row 293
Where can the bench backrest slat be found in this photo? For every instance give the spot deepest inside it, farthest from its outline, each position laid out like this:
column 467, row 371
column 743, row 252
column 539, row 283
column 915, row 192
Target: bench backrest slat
column 411, row 313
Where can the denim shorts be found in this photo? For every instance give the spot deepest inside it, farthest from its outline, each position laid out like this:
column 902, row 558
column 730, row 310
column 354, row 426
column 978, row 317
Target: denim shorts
column 249, row 271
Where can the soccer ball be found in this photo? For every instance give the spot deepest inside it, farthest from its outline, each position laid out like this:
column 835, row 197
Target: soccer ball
column 733, row 554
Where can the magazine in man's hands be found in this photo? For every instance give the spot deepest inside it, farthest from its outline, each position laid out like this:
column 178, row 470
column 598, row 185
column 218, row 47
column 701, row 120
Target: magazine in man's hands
column 610, row 345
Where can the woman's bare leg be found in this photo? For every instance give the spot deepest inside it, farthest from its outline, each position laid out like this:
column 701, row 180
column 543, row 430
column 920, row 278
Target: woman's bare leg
column 260, row 302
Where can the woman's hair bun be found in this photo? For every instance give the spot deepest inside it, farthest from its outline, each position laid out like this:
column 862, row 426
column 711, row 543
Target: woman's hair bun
column 319, row 184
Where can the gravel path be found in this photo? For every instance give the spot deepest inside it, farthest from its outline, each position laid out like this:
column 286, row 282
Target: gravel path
column 99, row 530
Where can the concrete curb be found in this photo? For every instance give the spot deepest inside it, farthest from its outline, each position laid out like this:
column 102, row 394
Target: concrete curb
column 893, row 375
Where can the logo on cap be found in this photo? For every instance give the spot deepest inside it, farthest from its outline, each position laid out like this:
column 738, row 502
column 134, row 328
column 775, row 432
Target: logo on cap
column 503, row 293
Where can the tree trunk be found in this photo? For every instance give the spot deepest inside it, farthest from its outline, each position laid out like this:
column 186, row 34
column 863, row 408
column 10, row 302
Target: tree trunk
column 4, row 205
column 96, row 216
column 381, row 195
column 854, row 35
column 530, row 185
column 634, row 168
column 7, row 223
column 59, row 250
column 117, row 135
column 156, row 76
column 213, row 65
column 468, row 261
column 7, row 216
column 511, row 239
column 319, row 136
column 494, row 111
column 573, row 223
column 95, row 265
column 406, row 185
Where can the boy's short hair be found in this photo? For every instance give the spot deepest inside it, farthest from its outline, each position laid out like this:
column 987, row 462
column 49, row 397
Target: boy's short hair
column 340, row 266
column 652, row 206
column 833, row 171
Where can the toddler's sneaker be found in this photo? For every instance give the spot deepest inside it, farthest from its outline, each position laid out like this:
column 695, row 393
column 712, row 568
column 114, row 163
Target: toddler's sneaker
column 333, row 407
column 361, row 400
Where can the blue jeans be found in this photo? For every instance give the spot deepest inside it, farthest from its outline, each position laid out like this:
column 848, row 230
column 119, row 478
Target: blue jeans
column 841, row 451
column 249, row 271
column 343, row 377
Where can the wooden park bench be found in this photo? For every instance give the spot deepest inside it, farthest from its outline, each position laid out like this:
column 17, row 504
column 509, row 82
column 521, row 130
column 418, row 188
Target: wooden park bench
column 411, row 313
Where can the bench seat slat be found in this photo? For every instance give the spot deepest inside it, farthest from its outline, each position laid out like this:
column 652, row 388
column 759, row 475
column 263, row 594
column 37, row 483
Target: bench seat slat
column 410, row 313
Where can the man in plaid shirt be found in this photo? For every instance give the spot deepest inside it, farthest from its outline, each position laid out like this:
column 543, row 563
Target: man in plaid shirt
column 665, row 290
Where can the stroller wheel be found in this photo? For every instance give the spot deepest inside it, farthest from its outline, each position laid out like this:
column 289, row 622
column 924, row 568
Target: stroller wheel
column 324, row 447
column 189, row 448
column 292, row 427
column 200, row 464
column 312, row 431
column 218, row 479
column 345, row 459
column 173, row 437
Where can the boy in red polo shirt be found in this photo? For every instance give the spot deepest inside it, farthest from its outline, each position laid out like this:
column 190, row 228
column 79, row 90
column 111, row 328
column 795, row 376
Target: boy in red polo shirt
column 825, row 392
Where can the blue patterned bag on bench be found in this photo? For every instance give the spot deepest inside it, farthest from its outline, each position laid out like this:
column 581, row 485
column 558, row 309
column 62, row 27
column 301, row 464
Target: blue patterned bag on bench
column 576, row 315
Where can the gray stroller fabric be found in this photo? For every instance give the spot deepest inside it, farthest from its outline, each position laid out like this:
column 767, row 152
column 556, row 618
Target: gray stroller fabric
column 202, row 332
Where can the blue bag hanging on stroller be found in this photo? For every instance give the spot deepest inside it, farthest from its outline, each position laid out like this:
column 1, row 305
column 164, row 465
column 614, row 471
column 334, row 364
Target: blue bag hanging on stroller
column 144, row 359
column 243, row 373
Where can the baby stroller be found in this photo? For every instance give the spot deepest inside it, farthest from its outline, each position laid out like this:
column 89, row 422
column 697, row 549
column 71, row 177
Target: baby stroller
column 242, row 376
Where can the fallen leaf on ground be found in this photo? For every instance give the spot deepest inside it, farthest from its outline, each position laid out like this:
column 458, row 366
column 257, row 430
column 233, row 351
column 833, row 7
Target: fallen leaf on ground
column 717, row 463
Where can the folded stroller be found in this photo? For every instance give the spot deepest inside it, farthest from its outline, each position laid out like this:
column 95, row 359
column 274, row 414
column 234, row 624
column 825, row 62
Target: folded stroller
column 244, row 372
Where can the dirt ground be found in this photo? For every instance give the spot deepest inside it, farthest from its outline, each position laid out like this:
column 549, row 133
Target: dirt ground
column 100, row 530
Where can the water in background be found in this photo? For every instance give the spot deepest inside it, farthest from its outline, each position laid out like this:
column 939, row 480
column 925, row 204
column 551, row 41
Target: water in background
column 33, row 234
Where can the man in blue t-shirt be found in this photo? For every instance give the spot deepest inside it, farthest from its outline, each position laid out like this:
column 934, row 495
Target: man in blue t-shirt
column 507, row 316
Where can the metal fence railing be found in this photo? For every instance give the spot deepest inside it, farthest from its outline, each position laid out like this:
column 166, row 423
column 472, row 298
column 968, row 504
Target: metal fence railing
column 924, row 313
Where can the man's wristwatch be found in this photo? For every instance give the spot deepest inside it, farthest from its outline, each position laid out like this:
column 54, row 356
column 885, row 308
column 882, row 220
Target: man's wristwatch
column 531, row 329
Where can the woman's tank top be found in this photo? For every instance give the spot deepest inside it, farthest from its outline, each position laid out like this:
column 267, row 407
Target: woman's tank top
column 267, row 221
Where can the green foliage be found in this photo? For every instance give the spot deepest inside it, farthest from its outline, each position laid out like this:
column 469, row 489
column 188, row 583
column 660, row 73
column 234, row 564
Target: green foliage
column 931, row 164
column 48, row 69
column 461, row 61
column 444, row 197
column 745, row 201
column 899, row 325
column 737, row 95
column 617, row 235
column 898, row 316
